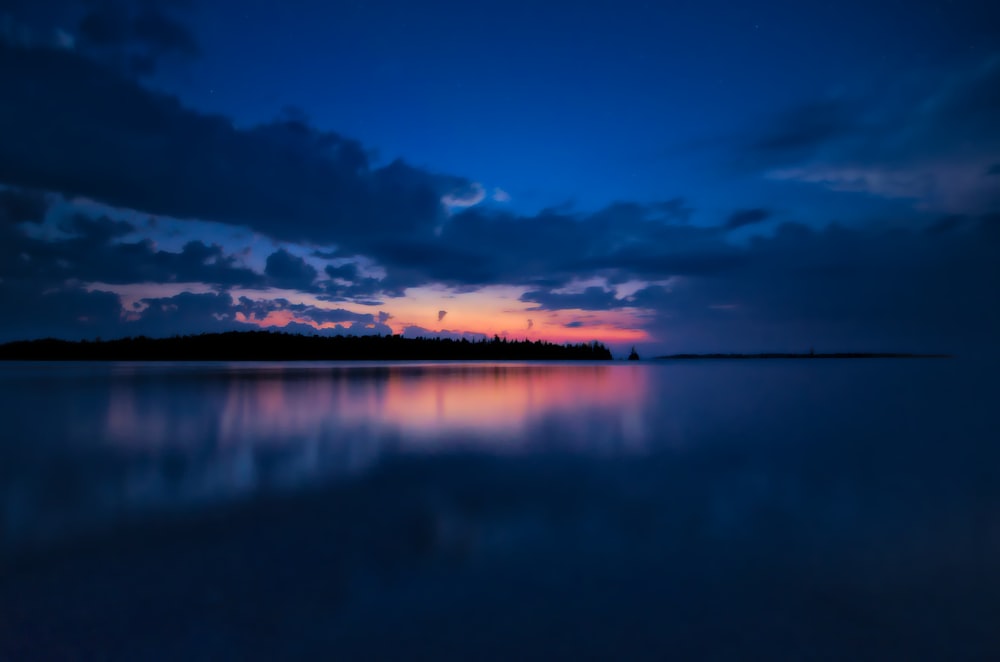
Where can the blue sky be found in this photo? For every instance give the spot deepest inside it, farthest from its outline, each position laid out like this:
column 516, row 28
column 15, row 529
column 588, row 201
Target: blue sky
column 682, row 176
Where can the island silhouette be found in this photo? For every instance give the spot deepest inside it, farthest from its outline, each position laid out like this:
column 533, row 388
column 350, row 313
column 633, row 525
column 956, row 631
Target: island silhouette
column 810, row 355
column 280, row 346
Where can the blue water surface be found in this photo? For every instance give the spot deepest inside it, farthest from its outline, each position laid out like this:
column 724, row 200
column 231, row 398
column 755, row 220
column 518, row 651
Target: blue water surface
column 712, row 509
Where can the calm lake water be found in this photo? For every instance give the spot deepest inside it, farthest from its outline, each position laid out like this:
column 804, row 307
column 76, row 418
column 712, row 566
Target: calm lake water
column 823, row 509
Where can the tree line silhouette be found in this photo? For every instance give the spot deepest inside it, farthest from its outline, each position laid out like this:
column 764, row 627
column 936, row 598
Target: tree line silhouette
column 280, row 346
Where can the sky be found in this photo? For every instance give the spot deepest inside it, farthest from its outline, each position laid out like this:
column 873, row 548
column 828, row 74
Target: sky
column 678, row 176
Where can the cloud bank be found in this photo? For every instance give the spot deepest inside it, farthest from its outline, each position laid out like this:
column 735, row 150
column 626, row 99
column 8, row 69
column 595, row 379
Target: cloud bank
column 340, row 237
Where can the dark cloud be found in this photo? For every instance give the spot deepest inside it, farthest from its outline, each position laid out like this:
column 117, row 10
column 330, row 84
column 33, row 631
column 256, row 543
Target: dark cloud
column 927, row 140
column 347, row 272
column 78, row 123
column 654, row 262
column 104, row 26
column 69, row 312
column 744, row 217
column 65, row 115
column 421, row 332
column 163, row 33
column 134, row 35
column 347, row 284
column 289, row 272
column 332, row 316
column 842, row 288
column 968, row 108
column 293, row 182
column 592, row 298
column 94, row 251
column 99, row 230
column 346, row 320
column 184, row 313
column 675, row 209
column 189, row 312
column 44, row 283
column 36, row 302
column 802, row 131
column 414, row 262
column 368, row 292
column 837, row 287
column 947, row 224
column 18, row 206
column 481, row 247
column 35, row 24
column 441, row 314
column 576, row 324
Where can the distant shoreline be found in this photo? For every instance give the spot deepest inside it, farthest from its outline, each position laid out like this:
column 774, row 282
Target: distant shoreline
column 278, row 346
column 787, row 355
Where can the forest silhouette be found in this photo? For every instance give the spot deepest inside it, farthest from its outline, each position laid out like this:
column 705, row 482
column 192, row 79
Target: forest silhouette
column 279, row 346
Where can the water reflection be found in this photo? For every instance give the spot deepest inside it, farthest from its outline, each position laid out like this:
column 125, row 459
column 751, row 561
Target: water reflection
column 721, row 510
column 133, row 437
column 484, row 404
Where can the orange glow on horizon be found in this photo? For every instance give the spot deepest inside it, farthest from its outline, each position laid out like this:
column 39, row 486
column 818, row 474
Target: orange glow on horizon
column 489, row 311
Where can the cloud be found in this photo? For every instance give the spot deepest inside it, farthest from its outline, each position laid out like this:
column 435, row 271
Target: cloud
column 289, row 272
column 531, row 324
column 184, row 313
column 441, row 314
column 673, row 210
column 69, row 312
column 592, row 298
column 18, row 206
column 346, row 283
column 17, row 33
column 134, row 36
column 469, row 195
column 479, row 247
column 292, row 182
column 947, row 224
column 803, row 131
column 744, row 217
column 95, row 250
column 65, row 114
column 421, row 332
column 77, row 123
column 949, row 187
column 189, row 312
column 929, row 143
column 347, row 271
column 576, row 324
column 280, row 312
column 657, row 262
column 841, row 288
column 904, row 288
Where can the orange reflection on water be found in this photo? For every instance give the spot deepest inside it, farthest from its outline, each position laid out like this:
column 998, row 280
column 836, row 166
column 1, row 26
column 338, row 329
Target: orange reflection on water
column 501, row 399
column 416, row 405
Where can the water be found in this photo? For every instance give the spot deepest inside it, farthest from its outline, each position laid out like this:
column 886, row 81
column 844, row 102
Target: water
column 723, row 509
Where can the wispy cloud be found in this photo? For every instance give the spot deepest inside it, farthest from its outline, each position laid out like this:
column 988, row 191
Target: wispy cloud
column 929, row 143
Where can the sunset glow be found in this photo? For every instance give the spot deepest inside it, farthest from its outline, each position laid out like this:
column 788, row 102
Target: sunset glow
column 764, row 208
